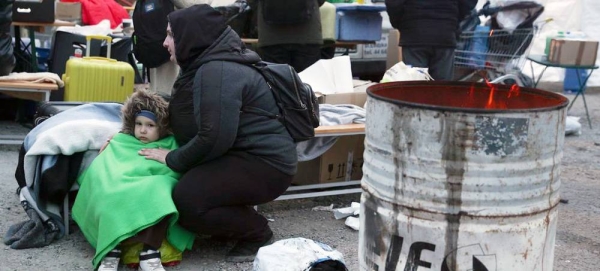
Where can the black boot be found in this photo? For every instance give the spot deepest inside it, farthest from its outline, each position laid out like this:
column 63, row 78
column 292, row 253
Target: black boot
column 245, row 251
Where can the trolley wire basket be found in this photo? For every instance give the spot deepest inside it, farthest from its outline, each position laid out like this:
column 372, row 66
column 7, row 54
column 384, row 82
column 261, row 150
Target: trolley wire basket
column 496, row 50
column 492, row 52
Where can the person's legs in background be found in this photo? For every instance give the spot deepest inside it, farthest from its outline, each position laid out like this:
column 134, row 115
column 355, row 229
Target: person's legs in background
column 299, row 56
column 416, row 56
column 276, row 54
column 328, row 49
column 441, row 66
column 304, row 55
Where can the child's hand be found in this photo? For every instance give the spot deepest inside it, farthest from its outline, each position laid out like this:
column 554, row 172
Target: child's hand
column 159, row 155
column 105, row 144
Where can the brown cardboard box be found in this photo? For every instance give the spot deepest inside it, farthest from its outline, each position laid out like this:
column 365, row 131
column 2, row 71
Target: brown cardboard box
column 573, row 52
column 355, row 98
column 357, row 162
column 68, row 11
column 394, row 52
column 342, row 162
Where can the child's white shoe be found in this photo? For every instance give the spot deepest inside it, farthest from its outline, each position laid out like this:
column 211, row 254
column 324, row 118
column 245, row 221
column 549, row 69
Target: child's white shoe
column 110, row 261
column 150, row 261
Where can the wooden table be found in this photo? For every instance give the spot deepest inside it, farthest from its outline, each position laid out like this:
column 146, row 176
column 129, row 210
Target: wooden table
column 28, row 90
column 340, row 130
column 32, row 27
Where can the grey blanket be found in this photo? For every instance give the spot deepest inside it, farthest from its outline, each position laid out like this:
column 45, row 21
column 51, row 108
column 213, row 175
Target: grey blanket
column 329, row 114
column 80, row 129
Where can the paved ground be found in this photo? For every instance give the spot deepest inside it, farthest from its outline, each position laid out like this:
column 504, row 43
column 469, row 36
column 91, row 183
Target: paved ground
column 577, row 243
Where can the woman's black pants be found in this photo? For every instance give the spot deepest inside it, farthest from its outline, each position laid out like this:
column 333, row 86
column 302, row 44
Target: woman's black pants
column 217, row 198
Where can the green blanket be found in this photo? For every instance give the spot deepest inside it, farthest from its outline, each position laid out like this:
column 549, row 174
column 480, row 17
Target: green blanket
column 122, row 193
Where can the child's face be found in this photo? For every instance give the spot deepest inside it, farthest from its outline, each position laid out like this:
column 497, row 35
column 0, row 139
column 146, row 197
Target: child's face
column 145, row 130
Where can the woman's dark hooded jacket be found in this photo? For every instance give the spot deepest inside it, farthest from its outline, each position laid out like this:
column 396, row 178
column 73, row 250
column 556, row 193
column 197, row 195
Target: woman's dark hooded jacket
column 215, row 84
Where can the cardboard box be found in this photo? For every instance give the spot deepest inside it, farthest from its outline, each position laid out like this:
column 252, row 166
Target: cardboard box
column 575, row 52
column 394, row 52
column 68, row 11
column 41, row 11
column 355, row 98
column 342, row 162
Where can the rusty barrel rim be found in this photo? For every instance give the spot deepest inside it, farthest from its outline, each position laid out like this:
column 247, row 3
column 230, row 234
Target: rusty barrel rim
column 562, row 101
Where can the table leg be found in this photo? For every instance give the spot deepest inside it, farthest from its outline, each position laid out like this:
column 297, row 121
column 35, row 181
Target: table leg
column 17, row 39
column 586, row 111
column 18, row 52
column 26, row 61
column 34, row 66
column 581, row 91
column 535, row 82
column 532, row 74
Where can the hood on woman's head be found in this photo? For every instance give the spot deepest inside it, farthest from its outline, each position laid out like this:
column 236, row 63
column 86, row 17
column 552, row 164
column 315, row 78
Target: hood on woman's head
column 143, row 100
column 194, row 30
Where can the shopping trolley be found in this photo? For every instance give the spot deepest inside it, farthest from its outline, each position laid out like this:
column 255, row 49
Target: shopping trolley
column 495, row 54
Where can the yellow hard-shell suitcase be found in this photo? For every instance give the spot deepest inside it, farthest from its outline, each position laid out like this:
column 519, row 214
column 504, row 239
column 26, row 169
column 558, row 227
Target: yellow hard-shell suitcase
column 97, row 79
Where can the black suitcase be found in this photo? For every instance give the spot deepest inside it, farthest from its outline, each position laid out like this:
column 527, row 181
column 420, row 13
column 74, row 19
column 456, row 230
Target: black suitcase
column 33, row 11
column 46, row 110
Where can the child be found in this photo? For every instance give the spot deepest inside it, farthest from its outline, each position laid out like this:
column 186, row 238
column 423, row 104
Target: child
column 125, row 198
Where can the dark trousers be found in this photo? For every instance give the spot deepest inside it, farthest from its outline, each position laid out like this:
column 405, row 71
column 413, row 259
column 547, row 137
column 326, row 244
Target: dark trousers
column 299, row 56
column 153, row 235
column 328, row 49
column 440, row 61
column 217, row 198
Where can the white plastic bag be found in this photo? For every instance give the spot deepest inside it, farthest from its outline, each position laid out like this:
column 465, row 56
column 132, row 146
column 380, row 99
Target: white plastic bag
column 402, row 72
column 572, row 126
column 294, row 254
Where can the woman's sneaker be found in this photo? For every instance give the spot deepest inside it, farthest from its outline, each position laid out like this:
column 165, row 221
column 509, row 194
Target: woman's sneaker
column 110, row 261
column 150, row 261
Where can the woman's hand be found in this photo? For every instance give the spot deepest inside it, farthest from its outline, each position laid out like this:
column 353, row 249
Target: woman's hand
column 159, row 155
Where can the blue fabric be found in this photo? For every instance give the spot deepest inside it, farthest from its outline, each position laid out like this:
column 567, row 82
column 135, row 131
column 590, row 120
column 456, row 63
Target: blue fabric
column 147, row 114
column 479, row 47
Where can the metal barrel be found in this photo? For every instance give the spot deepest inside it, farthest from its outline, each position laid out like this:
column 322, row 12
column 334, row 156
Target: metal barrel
column 460, row 176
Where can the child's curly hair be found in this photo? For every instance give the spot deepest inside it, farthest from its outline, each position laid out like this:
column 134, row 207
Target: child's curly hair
column 143, row 100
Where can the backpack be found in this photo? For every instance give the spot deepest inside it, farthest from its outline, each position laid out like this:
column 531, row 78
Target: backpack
column 287, row 11
column 298, row 105
column 150, row 24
